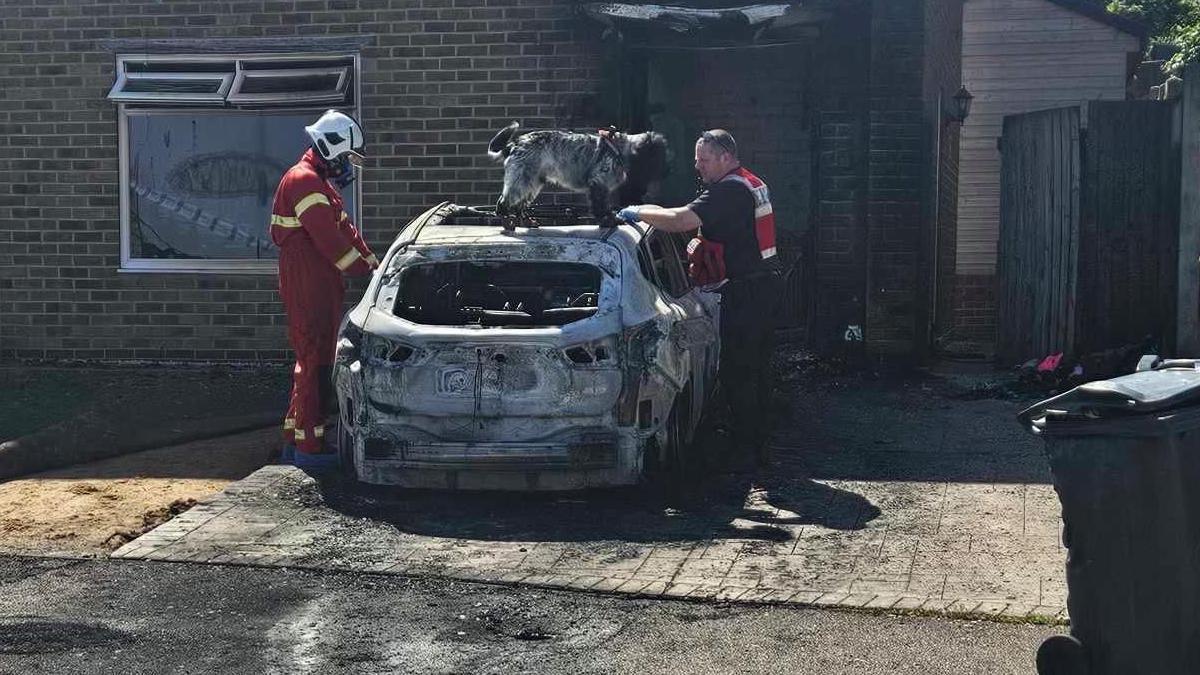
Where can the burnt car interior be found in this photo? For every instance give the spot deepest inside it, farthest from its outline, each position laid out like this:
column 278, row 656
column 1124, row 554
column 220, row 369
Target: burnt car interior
column 495, row 293
column 532, row 294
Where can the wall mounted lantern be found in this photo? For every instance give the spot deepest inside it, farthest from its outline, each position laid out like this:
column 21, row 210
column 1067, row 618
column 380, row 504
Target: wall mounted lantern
column 959, row 108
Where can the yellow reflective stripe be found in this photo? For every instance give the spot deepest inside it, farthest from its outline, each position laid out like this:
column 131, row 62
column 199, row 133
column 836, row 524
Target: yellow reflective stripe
column 289, row 423
column 348, row 259
column 372, row 260
column 285, row 221
column 299, row 434
column 318, row 431
column 345, row 216
column 311, row 200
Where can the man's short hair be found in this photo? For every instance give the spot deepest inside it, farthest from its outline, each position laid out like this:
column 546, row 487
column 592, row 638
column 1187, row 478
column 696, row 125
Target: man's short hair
column 722, row 139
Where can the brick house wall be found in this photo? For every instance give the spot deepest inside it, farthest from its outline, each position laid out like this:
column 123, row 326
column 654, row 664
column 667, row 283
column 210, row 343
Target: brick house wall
column 914, row 49
column 439, row 77
column 845, row 143
column 837, row 273
column 896, row 177
column 974, row 312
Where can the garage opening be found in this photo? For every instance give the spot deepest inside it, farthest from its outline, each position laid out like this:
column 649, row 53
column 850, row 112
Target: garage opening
column 757, row 70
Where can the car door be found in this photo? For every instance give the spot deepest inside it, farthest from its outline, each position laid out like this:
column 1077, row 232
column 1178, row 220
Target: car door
column 697, row 315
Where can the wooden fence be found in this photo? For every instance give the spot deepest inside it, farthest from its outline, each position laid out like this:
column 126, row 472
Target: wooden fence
column 1089, row 223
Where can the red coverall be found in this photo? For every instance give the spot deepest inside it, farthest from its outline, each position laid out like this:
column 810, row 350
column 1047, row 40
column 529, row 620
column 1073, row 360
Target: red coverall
column 317, row 244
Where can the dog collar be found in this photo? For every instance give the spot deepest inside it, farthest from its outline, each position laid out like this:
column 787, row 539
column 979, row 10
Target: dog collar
column 605, row 144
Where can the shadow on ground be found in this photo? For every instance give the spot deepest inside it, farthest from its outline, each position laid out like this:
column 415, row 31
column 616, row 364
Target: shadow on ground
column 732, row 506
column 708, row 502
column 912, row 428
column 828, row 433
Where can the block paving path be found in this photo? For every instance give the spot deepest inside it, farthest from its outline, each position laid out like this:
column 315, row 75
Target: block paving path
column 893, row 496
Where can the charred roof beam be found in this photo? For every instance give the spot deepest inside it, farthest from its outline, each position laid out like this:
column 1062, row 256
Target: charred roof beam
column 671, row 25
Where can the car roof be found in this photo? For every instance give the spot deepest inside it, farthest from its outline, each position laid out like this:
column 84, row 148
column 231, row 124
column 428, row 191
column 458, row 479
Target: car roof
column 454, row 224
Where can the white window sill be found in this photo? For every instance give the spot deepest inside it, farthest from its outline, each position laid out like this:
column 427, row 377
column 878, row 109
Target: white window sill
column 227, row 268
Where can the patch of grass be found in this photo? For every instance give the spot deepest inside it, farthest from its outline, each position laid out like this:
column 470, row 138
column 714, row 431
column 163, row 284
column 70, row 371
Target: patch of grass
column 37, row 399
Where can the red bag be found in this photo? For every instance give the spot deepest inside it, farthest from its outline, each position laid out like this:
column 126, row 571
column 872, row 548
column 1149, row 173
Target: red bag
column 706, row 261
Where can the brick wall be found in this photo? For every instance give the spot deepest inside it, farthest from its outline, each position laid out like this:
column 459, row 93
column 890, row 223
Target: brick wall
column 438, row 78
column 837, row 272
column 898, row 177
column 975, row 310
column 916, row 52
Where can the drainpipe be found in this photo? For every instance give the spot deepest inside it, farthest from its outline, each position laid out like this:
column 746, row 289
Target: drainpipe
column 936, row 219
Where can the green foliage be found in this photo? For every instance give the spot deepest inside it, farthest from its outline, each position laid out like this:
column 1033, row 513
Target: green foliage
column 1175, row 22
column 1188, row 40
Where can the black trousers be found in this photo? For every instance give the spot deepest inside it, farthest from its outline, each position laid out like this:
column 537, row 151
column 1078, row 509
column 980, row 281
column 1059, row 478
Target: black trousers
column 747, row 342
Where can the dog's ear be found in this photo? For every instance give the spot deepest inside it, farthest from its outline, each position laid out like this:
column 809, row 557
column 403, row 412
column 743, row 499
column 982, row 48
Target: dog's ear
column 647, row 165
column 499, row 145
column 648, row 155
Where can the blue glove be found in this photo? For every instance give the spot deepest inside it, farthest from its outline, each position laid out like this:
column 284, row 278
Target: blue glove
column 629, row 214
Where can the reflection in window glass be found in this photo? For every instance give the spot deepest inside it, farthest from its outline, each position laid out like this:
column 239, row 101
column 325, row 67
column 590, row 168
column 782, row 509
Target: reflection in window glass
column 201, row 185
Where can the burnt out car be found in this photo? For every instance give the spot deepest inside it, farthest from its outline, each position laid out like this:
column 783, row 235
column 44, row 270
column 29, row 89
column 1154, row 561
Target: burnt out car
column 548, row 357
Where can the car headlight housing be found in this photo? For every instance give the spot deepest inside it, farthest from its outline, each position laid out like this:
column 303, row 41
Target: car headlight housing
column 384, row 351
column 596, row 353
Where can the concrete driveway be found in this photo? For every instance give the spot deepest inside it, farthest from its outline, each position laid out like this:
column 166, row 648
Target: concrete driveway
column 909, row 495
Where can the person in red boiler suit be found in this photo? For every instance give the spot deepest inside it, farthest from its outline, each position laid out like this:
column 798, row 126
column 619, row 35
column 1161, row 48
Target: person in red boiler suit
column 318, row 244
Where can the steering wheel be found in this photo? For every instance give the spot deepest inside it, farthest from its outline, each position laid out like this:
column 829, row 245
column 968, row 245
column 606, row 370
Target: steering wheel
column 584, row 300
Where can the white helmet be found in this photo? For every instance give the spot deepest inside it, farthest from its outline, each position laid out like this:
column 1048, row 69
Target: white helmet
column 335, row 134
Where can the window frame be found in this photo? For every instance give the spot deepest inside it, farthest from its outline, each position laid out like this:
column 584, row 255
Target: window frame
column 237, row 96
column 179, row 98
column 132, row 265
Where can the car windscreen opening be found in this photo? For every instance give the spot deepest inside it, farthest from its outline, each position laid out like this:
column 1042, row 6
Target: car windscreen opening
column 487, row 293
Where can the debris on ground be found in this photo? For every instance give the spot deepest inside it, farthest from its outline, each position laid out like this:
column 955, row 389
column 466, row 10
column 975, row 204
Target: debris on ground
column 1055, row 373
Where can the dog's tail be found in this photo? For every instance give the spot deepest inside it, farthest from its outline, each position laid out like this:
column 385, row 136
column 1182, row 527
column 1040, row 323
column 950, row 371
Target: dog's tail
column 499, row 147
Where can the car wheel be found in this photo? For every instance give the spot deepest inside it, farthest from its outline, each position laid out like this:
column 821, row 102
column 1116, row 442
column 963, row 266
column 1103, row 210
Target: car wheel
column 345, row 448
column 674, row 452
column 665, row 464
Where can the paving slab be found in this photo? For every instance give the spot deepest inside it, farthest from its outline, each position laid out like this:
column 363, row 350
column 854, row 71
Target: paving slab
column 884, row 496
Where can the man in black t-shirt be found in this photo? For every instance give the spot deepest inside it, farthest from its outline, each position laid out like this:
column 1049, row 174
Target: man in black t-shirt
column 734, row 212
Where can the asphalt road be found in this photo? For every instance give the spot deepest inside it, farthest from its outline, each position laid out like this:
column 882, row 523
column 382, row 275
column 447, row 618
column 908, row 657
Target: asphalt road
column 101, row 616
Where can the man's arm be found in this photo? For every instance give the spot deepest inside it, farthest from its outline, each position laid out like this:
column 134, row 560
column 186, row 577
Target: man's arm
column 347, row 228
column 317, row 217
column 678, row 219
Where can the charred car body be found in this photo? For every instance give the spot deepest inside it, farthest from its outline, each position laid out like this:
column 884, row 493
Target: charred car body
column 560, row 356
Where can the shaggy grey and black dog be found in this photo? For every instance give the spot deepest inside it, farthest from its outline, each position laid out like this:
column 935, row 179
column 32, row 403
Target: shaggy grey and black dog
column 613, row 167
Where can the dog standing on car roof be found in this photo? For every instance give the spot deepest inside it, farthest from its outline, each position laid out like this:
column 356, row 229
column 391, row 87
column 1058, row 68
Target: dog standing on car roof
column 735, row 248
column 596, row 163
column 317, row 245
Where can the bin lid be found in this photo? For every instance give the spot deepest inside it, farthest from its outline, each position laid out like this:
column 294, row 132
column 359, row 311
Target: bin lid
column 1141, row 393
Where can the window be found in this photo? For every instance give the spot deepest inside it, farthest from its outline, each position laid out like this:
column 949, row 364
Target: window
column 204, row 141
column 668, row 263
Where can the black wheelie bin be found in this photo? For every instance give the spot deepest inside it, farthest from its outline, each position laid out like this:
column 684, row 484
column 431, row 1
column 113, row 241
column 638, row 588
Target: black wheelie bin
column 1125, row 459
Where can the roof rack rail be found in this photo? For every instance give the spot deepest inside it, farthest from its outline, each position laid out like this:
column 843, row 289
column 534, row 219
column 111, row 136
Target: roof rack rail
column 538, row 215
